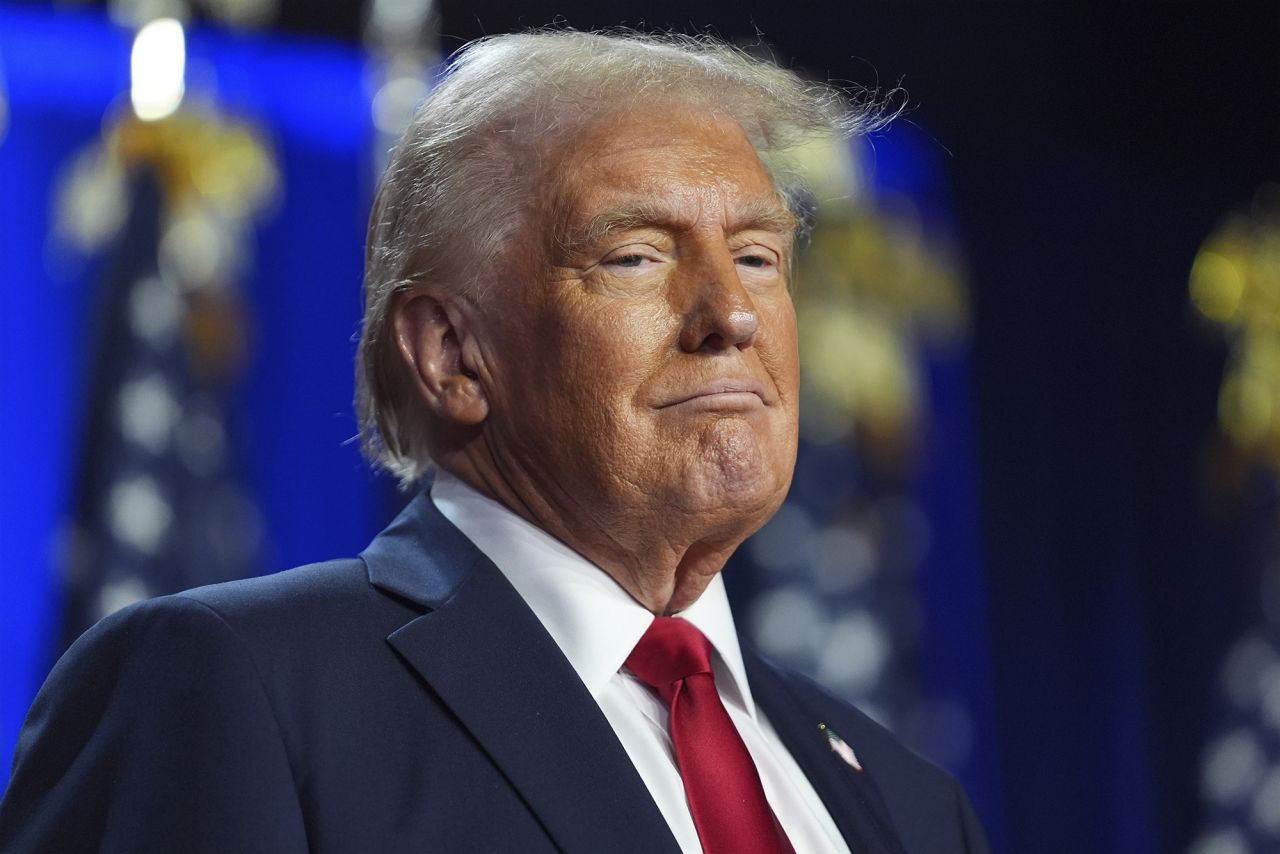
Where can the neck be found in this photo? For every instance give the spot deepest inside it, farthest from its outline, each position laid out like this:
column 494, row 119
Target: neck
column 656, row 555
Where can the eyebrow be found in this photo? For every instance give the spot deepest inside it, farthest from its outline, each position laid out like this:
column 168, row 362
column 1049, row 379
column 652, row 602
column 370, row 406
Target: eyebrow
column 756, row 215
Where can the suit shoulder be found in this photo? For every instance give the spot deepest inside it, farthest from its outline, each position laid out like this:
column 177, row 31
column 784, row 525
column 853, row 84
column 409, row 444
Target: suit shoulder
column 162, row 624
column 158, row 691
column 317, row 606
column 271, row 618
column 139, row 650
column 280, row 597
column 310, row 585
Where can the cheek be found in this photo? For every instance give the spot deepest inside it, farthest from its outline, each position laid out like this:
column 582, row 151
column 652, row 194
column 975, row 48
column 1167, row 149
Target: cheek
column 609, row 350
column 779, row 346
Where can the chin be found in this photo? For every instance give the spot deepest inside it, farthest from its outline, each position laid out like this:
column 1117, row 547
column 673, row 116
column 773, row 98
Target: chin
column 742, row 473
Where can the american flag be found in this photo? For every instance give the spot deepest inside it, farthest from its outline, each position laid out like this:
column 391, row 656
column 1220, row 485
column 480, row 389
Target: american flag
column 835, row 572
column 1240, row 768
column 158, row 506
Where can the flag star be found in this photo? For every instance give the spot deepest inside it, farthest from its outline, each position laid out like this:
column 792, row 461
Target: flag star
column 1269, row 694
column 1225, row 841
column 155, row 310
column 1265, row 810
column 200, row 438
column 120, row 593
column 1233, row 766
column 148, row 412
column 857, row 649
column 139, row 515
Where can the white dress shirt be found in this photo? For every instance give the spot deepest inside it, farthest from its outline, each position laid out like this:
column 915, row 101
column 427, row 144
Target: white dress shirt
column 596, row 623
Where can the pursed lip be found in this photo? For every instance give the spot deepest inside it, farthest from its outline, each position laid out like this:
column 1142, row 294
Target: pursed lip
column 731, row 393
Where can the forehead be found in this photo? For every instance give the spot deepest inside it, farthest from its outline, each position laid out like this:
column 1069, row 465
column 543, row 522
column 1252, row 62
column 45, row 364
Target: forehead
column 683, row 166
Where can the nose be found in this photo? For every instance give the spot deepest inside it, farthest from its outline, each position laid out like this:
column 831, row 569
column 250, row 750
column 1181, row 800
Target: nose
column 719, row 312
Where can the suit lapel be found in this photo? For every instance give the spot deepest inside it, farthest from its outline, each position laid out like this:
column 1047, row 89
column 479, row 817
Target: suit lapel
column 492, row 663
column 851, row 797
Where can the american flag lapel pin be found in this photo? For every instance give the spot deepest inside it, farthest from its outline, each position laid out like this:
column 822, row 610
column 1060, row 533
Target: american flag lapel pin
column 840, row 747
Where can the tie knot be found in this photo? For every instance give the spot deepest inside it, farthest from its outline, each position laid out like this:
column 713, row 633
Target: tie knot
column 671, row 649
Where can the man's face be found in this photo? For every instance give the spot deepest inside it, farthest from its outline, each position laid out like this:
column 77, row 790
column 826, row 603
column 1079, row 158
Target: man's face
column 642, row 355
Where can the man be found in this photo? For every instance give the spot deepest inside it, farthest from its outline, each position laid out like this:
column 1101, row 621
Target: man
column 577, row 308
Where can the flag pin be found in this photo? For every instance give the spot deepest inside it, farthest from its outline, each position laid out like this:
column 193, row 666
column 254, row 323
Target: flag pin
column 841, row 748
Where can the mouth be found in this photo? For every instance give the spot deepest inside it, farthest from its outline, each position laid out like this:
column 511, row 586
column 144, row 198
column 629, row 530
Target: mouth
column 723, row 394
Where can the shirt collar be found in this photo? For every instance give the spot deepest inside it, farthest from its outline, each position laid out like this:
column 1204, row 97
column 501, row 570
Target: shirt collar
column 593, row 620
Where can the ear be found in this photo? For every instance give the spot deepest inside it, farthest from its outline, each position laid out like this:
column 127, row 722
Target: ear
column 431, row 340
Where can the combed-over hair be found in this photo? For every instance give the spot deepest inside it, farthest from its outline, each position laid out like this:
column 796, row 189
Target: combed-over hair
column 461, row 181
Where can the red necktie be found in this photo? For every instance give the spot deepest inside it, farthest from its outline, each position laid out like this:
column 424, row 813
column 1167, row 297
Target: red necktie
column 720, row 780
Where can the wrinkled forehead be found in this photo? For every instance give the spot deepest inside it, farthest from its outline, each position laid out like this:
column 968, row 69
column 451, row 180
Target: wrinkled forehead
column 669, row 169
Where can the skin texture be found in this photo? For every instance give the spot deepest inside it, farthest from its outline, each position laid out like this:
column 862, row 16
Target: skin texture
column 630, row 384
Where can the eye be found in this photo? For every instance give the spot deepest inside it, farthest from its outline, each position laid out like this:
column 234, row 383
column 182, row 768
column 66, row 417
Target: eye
column 632, row 259
column 756, row 258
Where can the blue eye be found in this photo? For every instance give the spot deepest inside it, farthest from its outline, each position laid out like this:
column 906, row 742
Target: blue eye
column 628, row 260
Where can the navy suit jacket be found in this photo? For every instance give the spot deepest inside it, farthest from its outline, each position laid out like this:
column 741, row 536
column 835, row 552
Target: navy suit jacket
column 408, row 701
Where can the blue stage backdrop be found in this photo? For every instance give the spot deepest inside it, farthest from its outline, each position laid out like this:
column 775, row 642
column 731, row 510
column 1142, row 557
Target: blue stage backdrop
column 294, row 420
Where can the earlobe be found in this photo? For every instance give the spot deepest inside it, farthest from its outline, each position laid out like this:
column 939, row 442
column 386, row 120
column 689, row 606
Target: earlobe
column 432, row 340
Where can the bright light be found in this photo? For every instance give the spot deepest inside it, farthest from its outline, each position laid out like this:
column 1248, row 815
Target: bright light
column 158, row 64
